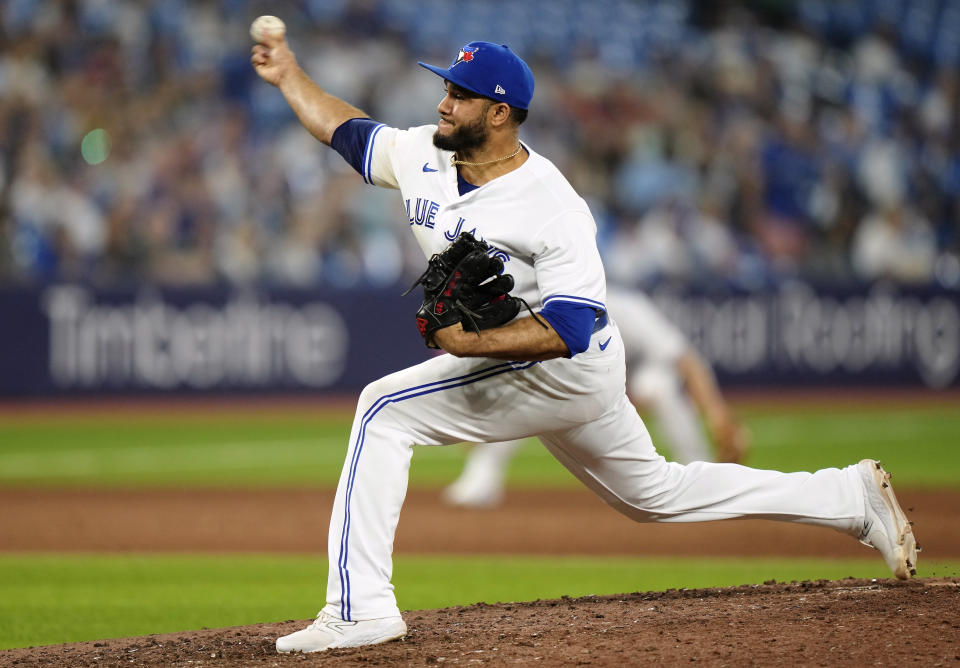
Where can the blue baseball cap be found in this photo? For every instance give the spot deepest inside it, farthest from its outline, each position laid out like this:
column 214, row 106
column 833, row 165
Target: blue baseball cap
column 490, row 70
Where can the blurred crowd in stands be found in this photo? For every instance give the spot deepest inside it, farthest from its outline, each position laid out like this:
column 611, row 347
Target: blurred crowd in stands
column 717, row 143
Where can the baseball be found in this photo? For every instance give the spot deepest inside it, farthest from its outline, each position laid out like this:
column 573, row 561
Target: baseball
column 263, row 26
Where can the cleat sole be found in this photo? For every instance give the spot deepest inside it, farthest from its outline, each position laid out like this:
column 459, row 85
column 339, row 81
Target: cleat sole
column 905, row 537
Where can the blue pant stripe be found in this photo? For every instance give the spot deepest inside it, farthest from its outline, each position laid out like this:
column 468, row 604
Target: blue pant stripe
column 395, row 397
column 374, row 408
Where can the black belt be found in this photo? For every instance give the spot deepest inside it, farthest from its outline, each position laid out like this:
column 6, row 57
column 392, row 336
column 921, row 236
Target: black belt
column 600, row 322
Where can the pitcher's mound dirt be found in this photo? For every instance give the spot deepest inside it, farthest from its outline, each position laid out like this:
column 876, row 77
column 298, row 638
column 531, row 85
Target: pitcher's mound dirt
column 847, row 622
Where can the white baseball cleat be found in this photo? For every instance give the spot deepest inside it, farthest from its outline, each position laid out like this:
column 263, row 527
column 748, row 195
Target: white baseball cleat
column 885, row 527
column 329, row 632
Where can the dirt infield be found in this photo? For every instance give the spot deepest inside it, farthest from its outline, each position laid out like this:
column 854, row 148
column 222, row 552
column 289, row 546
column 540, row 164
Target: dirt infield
column 531, row 522
column 843, row 623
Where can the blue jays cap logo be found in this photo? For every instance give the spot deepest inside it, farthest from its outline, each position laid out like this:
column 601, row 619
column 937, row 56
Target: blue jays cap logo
column 497, row 73
column 465, row 55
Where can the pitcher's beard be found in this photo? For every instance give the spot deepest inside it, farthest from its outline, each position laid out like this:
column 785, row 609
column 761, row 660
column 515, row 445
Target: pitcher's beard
column 464, row 139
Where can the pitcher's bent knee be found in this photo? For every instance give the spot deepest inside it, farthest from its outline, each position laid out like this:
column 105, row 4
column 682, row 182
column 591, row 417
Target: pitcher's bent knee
column 378, row 391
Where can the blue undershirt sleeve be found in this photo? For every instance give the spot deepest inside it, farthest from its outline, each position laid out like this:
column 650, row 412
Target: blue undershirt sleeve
column 573, row 322
column 350, row 140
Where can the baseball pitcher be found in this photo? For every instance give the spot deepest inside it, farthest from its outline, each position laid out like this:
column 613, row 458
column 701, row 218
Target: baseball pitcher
column 555, row 370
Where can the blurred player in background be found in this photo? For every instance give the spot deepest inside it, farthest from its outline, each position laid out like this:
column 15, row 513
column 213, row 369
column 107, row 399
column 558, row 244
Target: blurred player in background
column 665, row 375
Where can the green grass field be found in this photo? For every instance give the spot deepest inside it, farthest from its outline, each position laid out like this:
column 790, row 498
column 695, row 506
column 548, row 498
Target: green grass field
column 52, row 598
column 298, row 448
column 46, row 599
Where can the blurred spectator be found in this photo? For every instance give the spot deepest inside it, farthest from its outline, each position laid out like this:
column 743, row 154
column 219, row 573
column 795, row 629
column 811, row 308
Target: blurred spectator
column 712, row 142
column 894, row 243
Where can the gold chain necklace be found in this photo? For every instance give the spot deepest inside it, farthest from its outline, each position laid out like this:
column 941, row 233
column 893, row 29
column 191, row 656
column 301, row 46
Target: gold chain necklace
column 454, row 161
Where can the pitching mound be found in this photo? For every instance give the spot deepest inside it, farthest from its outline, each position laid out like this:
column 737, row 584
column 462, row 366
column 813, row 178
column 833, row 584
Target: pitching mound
column 848, row 622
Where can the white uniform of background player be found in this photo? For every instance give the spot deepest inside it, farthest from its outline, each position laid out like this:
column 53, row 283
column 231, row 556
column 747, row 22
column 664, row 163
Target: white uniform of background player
column 665, row 375
column 492, row 388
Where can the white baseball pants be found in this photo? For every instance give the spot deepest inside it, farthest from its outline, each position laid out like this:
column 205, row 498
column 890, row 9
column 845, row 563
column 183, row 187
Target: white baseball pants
column 580, row 411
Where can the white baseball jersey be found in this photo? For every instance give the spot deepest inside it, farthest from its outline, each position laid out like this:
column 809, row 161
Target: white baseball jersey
column 542, row 229
column 577, row 406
